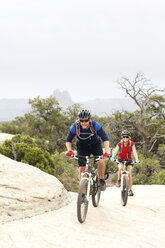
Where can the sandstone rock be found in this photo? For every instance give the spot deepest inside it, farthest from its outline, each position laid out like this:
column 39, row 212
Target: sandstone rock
column 26, row 191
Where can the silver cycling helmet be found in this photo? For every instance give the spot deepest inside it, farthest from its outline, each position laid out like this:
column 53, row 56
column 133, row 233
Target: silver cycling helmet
column 125, row 132
column 84, row 114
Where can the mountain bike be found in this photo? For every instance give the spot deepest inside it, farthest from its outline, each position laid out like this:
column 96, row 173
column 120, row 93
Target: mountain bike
column 89, row 186
column 124, row 182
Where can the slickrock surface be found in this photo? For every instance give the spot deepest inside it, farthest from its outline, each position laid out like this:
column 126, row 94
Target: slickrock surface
column 26, row 191
column 140, row 224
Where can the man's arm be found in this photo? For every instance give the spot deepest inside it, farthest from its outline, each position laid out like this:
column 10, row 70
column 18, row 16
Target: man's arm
column 106, row 146
column 71, row 135
column 69, row 146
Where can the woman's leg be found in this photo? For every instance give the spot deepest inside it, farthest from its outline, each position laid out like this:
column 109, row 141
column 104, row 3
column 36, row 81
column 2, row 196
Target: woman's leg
column 120, row 168
column 129, row 169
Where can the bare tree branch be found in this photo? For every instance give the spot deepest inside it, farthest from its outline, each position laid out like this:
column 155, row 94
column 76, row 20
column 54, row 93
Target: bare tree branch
column 151, row 106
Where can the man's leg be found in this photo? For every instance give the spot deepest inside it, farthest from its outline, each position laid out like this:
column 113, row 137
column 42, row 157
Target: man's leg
column 101, row 168
column 81, row 169
column 81, row 160
column 98, row 151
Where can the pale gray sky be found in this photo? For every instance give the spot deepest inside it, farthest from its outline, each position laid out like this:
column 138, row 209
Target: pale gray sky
column 80, row 46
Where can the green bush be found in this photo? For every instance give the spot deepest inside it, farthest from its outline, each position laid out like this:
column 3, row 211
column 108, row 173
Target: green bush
column 24, row 149
column 161, row 177
column 6, row 149
column 160, row 155
column 66, row 171
column 111, row 167
column 12, row 127
column 146, row 172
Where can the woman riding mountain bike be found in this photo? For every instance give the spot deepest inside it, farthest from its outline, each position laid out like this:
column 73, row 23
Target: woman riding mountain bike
column 89, row 134
column 124, row 149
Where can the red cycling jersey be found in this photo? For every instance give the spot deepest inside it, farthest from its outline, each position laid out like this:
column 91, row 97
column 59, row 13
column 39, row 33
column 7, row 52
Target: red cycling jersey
column 125, row 154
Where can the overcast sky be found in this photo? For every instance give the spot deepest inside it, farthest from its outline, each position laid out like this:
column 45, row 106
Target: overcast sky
column 81, row 46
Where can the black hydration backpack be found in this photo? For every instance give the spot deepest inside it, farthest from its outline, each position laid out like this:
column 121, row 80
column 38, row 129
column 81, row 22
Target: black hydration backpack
column 78, row 130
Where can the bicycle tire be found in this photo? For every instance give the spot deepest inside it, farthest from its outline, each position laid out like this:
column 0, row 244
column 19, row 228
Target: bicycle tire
column 96, row 193
column 82, row 207
column 106, row 176
column 124, row 190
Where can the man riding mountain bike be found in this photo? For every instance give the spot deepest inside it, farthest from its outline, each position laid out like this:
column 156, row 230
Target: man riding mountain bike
column 88, row 133
column 124, row 149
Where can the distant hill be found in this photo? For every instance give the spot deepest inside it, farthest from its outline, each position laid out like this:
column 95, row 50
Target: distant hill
column 103, row 107
column 63, row 98
column 11, row 108
column 97, row 106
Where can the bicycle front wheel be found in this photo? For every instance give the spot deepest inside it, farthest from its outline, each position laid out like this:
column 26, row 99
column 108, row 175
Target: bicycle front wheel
column 82, row 202
column 124, row 190
column 96, row 193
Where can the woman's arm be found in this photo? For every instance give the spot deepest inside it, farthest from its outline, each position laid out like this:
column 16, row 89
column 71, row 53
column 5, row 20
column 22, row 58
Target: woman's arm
column 134, row 152
column 115, row 152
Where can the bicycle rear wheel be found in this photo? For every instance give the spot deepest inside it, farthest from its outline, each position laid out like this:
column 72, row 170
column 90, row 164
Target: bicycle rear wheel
column 82, row 203
column 96, row 193
column 124, row 190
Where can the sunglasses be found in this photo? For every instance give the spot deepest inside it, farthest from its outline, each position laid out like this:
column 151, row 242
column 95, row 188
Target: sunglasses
column 84, row 120
column 125, row 137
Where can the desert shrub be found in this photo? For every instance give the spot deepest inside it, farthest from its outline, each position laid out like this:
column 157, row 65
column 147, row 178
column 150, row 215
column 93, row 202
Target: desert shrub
column 146, row 172
column 112, row 167
column 12, row 127
column 66, row 171
column 161, row 177
column 160, row 155
column 24, row 149
column 6, row 149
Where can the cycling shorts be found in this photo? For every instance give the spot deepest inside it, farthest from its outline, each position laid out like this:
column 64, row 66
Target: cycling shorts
column 127, row 163
column 87, row 150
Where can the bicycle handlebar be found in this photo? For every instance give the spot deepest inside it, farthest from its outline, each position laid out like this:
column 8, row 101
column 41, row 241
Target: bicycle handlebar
column 132, row 161
column 96, row 158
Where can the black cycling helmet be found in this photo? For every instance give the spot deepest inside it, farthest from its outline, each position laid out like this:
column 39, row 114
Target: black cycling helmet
column 125, row 132
column 84, row 114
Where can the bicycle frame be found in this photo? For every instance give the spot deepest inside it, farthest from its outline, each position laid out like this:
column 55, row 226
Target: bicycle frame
column 124, row 172
column 89, row 175
column 90, row 172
